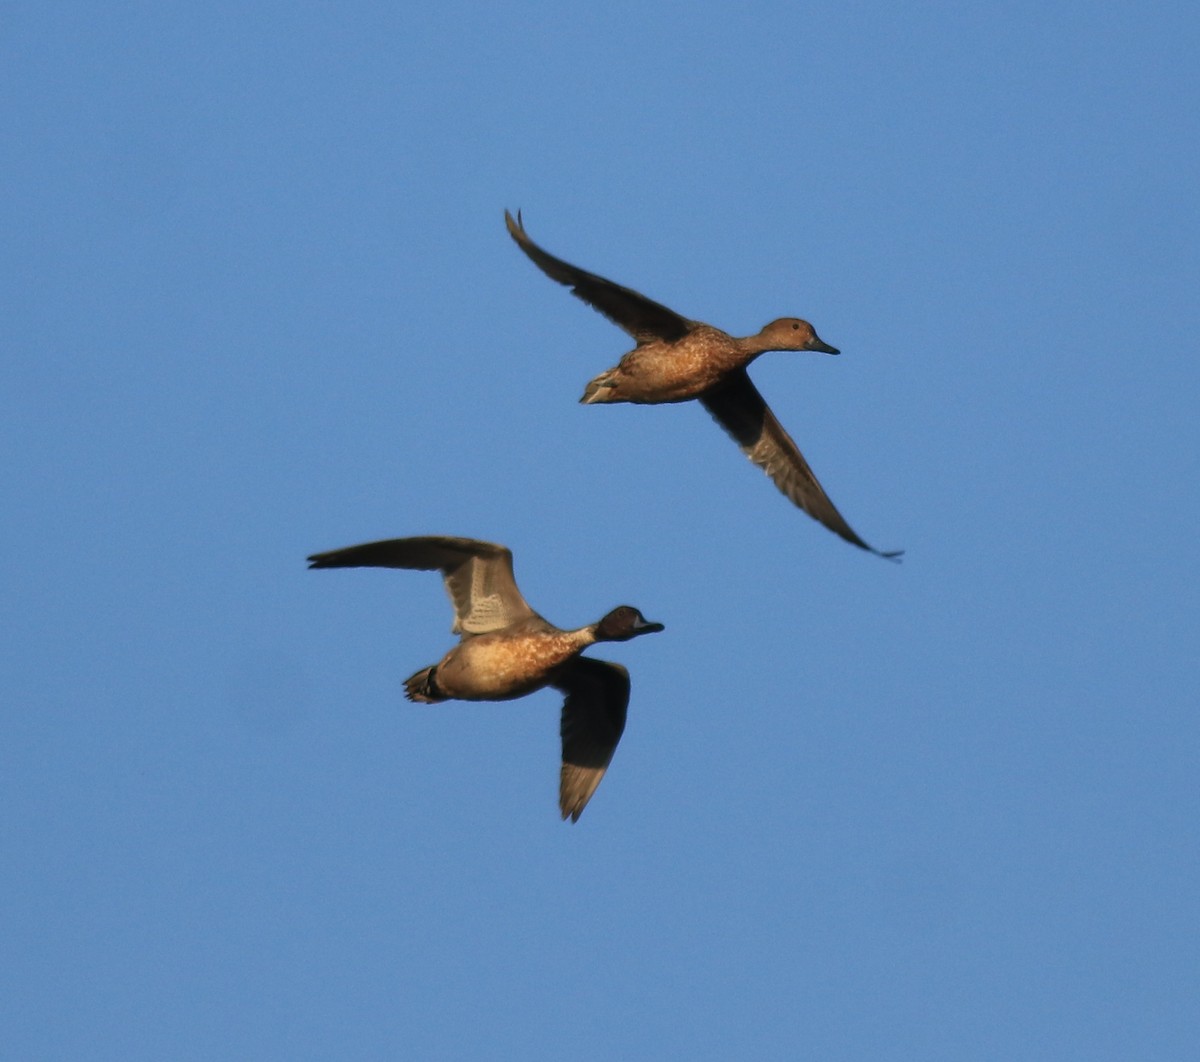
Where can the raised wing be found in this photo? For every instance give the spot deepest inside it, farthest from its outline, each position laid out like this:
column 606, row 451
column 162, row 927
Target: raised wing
column 641, row 317
column 478, row 575
column 738, row 407
column 593, row 719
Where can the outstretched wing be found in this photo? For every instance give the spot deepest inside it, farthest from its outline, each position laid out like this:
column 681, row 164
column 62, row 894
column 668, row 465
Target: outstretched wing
column 641, row 317
column 738, row 407
column 478, row 575
column 593, row 719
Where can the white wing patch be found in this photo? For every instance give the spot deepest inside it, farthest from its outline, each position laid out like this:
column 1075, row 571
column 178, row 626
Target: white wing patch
column 487, row 611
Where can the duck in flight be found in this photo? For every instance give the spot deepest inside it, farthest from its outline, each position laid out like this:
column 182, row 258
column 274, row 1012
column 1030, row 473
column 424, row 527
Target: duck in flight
column 507, row 650
column 677, row 359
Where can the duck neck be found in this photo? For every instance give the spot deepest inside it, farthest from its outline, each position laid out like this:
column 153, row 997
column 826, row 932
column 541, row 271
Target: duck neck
column 586, row 636
column 750, row 347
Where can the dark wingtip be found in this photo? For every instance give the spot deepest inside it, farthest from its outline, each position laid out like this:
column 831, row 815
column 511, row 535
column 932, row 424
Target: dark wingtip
column 894, row 555
column 317, row 560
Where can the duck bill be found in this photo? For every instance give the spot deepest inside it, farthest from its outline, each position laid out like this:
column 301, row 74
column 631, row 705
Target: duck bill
column 824, row 348
column 646, row 627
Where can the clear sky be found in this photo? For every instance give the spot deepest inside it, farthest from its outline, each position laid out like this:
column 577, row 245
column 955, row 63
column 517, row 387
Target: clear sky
column 258, row 301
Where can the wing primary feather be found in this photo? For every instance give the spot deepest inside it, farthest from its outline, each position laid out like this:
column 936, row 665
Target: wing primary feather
column 740, row 409
column 642, row 318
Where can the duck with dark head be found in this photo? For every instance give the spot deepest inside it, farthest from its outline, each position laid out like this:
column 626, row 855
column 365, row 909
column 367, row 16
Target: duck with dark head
column 506, row 650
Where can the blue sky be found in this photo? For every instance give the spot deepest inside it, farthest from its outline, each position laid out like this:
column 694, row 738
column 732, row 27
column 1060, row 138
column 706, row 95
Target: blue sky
column 258, row 301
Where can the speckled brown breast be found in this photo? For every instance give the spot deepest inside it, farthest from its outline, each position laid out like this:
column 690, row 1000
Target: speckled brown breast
column 676, row 372
column 507, row 664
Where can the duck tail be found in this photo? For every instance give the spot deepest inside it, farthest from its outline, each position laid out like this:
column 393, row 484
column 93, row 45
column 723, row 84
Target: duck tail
column 599, row 390
column 422, row 687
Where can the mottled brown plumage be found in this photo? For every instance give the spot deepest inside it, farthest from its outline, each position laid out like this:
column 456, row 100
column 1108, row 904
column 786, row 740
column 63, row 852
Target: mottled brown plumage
column 677, row 359
column 507, row 650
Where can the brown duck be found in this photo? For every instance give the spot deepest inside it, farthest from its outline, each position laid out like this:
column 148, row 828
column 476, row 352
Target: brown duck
column 507, row 650
column 677, row 359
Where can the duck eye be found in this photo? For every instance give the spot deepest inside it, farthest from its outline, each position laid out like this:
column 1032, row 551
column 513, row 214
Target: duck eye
column 795, row 326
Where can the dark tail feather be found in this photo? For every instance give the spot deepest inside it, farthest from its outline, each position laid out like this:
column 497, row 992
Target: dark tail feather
column 422, row 687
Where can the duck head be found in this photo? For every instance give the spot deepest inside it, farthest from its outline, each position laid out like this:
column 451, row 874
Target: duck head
column 623, row 623
column 791, row 333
